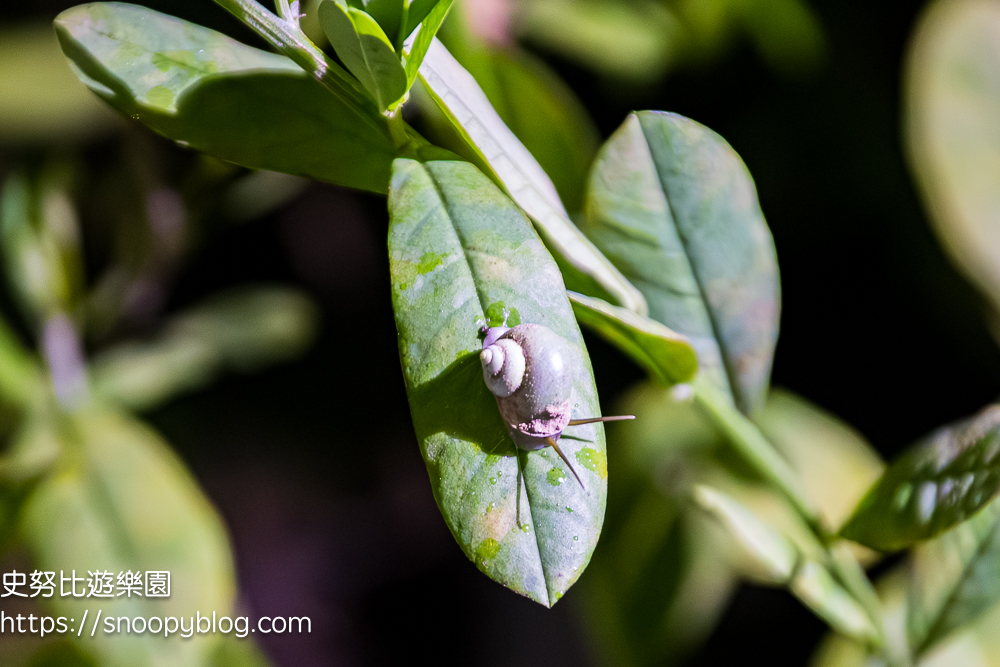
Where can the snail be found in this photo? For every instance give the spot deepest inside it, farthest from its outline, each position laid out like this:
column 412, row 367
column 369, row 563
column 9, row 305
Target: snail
column 527, row 369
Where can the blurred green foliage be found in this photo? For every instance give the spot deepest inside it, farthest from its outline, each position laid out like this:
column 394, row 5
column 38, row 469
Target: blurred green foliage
column 643, row 40
column 85, row 484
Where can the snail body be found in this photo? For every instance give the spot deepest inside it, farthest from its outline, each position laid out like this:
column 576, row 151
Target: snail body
column 527, row 368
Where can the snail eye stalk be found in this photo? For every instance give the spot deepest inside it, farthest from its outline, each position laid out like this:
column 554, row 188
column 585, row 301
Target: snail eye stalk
column 591, row 420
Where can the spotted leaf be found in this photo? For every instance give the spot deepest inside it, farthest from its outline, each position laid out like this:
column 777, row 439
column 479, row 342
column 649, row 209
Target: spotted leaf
column 940, row 481
column 461, row 255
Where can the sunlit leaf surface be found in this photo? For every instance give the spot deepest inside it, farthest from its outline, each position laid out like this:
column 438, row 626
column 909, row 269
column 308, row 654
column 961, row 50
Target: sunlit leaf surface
column 675, row 209
column 461, row 254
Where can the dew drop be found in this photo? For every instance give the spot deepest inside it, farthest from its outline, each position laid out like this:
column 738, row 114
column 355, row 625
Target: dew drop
column 576, row 538
column 569, row 509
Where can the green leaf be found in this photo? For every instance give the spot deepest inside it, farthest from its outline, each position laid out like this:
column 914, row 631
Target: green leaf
column 242, row 330
column 289, row 38
column 665, row 425
column 59, row 653
column 666, row 356
column 537, row 106
column 31, row 450
column 983, row 635
column 787, row 34
column 673, row 206
column 951, row 111
column 121, row 500
column 387, row 13
column 239, row 652
column 658, row 584
column 766, row 556
column 461, row 254
column 365, row 51
column 583, row 266
column 747, row 440
column 836, row 650
column 207, row 91
column 836, row 464
column 399, row 18
column 816, row 587
column 421, row 9
column 938, row 482
column 414, row 54
column 635, row 41
column 954, row 579
column 39, row 240
column 770, row 557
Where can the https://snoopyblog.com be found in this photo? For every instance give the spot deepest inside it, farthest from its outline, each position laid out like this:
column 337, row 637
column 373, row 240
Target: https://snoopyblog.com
column 103, row 584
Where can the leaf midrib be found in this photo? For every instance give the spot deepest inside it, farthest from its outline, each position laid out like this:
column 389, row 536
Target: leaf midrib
column 713, row 323
column 517, row 494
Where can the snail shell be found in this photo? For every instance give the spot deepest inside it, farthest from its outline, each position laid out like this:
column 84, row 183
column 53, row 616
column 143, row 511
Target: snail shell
column 527, row 368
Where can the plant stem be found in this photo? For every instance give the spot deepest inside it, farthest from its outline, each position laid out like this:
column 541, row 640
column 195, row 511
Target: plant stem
column 756, row 450
column 397, row 128
column 287, row 37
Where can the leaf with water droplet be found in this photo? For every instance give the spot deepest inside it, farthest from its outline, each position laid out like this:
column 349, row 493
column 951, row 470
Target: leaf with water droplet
column 490, row 255
column 940, row 481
